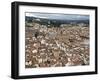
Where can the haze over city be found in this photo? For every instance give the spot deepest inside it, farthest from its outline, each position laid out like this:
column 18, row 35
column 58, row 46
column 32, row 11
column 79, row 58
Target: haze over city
column 58, row 16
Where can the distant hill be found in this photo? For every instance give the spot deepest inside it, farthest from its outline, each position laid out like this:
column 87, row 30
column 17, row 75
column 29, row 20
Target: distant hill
column 55, row 22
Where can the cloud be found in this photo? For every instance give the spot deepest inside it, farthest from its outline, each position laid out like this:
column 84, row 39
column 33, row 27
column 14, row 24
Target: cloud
column 30, row 15
column 35, row 15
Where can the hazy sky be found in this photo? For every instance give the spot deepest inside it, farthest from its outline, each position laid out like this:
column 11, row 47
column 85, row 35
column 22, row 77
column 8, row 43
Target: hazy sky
column 58, row 16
